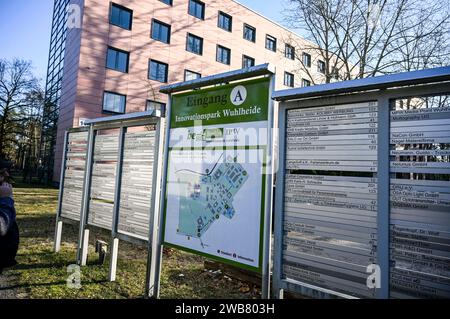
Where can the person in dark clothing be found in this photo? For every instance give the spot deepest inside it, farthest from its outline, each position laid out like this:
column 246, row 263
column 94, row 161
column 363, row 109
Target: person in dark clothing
column 9, row 231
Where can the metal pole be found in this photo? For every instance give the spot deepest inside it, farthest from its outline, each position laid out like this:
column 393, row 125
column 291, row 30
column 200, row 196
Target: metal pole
column 83, row 239
column 267, row 256
column 279, row 206
column 116, row 209
column 158, row 246
column 154, row 253
column 383, row 176
column 59, row 223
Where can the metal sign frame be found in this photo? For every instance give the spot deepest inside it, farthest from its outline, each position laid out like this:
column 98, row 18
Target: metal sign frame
column 122, row 123
column 154, row 272
column 60, row 220
column 383, row 90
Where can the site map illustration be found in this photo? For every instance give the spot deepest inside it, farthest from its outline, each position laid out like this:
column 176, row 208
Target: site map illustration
column 208, row 196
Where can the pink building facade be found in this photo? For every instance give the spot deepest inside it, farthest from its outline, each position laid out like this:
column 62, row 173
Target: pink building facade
column 126, row 50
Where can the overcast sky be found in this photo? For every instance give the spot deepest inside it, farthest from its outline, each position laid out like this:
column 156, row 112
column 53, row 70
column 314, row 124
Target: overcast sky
column 25, row 27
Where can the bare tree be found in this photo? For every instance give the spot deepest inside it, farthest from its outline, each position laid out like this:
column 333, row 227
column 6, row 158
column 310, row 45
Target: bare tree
column 314, row 18
column 16, row 82
column 426, row 44
column 364, row 38
column 29, row 138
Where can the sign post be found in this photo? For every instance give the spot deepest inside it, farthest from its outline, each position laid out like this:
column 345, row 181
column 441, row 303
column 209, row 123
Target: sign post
column 217, row 181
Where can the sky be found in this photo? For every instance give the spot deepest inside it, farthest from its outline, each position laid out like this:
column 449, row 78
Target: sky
column 25, row 27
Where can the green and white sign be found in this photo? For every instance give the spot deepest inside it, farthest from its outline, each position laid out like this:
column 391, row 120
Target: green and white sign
column 216, row 172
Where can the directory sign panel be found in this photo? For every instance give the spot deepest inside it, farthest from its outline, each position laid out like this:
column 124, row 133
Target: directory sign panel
column 330, row 198
column 75, row 167
column 420, row 200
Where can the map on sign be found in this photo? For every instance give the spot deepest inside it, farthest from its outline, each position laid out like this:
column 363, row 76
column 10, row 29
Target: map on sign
column 208, row 196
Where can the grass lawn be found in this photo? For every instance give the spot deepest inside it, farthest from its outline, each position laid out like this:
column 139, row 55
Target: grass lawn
column 42, row 274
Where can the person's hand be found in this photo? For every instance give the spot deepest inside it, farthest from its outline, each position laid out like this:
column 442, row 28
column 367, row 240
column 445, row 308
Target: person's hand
column 6, row 190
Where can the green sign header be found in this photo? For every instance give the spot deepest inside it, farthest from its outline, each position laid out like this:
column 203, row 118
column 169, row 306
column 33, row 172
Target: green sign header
column 232, row 103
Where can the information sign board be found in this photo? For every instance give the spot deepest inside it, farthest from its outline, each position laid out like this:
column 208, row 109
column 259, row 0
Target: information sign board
column 215, row 198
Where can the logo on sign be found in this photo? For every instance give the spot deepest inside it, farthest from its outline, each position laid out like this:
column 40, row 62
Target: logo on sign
column 238, row 95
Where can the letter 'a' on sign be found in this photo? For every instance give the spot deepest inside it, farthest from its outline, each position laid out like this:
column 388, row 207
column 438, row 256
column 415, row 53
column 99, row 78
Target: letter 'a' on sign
column 216, row 173
column 238, row 95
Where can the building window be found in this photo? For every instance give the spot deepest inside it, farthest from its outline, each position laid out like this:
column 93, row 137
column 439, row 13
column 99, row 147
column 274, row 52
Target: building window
column 306, row 83
column 160, row 31
column 156, row 106
column 271, row 43
column 307, row 60
column 158, row 71
column 247, row 62
column 197, row 9
column 223, row 55
column 289, row 52
column 249, row 33
column 169, row 2
column 194, row 44
column 321, row 66
column 289, row 79
column 117, row 60
column 225, row 21
column 189, row 75
column 114, row 103
column 121, row 16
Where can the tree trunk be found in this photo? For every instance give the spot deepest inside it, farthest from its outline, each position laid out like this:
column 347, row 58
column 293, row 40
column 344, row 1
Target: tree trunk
column 2, row 132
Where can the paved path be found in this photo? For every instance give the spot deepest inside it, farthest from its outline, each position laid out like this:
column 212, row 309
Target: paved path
column 8, row 289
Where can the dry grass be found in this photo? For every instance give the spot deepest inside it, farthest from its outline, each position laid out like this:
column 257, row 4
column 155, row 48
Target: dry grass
column 43, row 274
